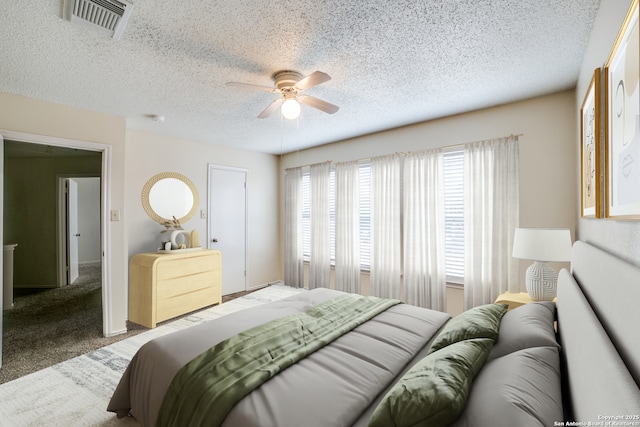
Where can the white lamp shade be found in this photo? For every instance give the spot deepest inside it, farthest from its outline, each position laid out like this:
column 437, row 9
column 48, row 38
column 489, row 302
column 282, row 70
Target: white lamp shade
column 290, row 109
column 542, row 244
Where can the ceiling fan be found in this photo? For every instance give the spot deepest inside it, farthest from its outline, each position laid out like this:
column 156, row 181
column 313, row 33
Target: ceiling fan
column 289, row 84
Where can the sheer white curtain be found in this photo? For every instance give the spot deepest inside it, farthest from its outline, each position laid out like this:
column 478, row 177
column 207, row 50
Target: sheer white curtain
column 491, row 216
column 347, row 273
column 386, row 257
column 319, row 263
column 425, row 276
column 293, row 260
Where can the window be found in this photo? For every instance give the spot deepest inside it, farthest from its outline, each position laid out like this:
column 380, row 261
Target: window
column 306, row 215
column 364, row 177
column 364, row 181
column 332, row 216
column 454, row 214
column 453, row 165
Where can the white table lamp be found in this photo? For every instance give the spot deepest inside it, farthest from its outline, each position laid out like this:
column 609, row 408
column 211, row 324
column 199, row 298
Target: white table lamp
column 542, row 245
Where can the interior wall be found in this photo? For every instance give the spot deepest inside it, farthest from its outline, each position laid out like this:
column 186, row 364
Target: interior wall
column 547, row 153
column 150, row 154
column 31, row 215
column 622, row 238
column 34, row 117
column 146, row 155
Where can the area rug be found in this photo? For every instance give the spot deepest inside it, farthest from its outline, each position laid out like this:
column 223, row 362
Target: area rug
column 76, row 392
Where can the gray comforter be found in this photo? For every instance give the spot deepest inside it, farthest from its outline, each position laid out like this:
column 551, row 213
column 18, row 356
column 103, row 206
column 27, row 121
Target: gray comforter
column 333, row 387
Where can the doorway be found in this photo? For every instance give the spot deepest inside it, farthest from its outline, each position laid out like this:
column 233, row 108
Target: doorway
column 78, row 225
column 227, row 230
column 37, row 160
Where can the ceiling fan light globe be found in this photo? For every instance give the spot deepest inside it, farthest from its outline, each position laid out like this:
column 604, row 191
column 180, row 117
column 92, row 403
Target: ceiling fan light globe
column 290, row 109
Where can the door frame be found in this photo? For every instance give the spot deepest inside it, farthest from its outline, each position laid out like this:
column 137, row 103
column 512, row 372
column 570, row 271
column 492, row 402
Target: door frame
column 210, row 203
column 105, row 202
column 1, row 234
column 62, row 225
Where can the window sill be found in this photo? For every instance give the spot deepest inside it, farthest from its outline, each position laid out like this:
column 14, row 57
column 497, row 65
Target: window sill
column 455, row 285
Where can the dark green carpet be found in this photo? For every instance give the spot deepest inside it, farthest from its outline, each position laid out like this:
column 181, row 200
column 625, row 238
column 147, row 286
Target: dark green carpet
column 49, row 326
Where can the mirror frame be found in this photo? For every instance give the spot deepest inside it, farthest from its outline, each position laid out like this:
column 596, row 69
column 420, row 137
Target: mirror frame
column 146, row 190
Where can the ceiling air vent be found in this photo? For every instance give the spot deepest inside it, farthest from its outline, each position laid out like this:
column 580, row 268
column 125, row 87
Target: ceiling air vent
column 108, row 17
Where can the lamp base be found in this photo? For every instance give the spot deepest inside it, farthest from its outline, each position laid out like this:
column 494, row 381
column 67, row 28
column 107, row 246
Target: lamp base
column 541, row 281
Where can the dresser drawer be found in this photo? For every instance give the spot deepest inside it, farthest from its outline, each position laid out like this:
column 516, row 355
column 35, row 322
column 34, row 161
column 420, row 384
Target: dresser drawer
column 184, row 303
column 163, row 286
column 174, row 287
column 176, row 268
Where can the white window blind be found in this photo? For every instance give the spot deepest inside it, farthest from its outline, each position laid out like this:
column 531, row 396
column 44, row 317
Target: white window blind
column 364, row 181
column 306, row 215
column 454, row 214
column 332, row 215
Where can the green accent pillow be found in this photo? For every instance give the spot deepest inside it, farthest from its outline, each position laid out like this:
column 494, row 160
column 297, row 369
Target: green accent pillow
column 434, row 391
column 478, row 322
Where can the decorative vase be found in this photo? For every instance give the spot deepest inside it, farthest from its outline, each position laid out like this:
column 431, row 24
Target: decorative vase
column 179, row 238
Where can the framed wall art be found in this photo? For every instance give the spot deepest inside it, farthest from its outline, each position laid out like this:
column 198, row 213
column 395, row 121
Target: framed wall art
column 622, row 122
column 590, row 178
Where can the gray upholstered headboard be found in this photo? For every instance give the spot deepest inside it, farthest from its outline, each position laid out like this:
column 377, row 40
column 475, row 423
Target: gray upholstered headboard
column 599, row 330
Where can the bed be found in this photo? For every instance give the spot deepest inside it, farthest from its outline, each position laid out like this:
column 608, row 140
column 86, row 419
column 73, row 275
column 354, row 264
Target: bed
column 404, row 365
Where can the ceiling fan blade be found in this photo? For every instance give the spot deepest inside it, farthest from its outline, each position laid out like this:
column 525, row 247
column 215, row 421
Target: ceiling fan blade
column 250, row 86
column 313, row 79
column 271, row 108
column 318, row 103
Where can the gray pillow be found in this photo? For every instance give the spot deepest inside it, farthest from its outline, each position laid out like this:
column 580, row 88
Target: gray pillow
column 520, row 389
column 478, row 322
column 434, row 391
column 530, row 325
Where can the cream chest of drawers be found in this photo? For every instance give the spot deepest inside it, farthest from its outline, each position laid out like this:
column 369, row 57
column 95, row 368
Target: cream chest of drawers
column 163, row 286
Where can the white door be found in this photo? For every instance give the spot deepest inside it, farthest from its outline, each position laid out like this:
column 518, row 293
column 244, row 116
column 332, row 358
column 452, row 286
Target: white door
column 227, row 231
column 72, row 230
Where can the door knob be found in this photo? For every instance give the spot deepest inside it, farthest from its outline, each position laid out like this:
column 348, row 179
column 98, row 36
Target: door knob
column 78, row 235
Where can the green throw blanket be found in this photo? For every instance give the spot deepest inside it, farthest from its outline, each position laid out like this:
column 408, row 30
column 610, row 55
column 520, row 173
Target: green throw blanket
column 205, row 390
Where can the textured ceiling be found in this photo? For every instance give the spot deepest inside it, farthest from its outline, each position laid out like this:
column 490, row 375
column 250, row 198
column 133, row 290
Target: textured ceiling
column 392, row 62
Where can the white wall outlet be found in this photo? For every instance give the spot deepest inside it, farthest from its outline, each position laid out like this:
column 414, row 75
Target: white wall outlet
column 115, row 215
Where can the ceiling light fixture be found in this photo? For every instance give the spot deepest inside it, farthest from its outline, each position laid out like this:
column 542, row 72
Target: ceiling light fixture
column 290, row 109
column 289, row 84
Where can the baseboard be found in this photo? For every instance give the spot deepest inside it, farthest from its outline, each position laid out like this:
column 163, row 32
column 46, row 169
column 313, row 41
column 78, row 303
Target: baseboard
column 35, row 286
column 114, row 333
column 264, row 285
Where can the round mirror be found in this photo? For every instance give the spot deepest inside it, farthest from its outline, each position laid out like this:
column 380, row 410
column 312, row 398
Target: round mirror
column 168, row 195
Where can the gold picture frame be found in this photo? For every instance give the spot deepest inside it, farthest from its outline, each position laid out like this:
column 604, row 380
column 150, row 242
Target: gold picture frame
column 590, row 179
column 622, row 127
